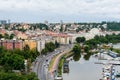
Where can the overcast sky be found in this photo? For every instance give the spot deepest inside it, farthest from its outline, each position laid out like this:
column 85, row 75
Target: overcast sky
column 56, row 10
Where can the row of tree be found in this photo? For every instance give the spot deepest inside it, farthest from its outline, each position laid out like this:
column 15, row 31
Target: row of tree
column 115, row 26
column 77, row 50
column 39, row 25
column 14, row 76
column 93, row 43
column 49, row 47
column 7, row 36
column 14, row 59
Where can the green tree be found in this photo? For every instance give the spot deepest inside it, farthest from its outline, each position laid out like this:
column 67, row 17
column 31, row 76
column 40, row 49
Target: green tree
column 76, row 49
column 34, row 53
column 76, row 57
column 6, row 36
column 44, row 51
column 61, row 28
column 12, row 36
column 80, row 39
column 57, row 44
column 50, row 46
column 26, row 48
column 14, row 76
column 86, row 48
column 32, row 76
column 16, row 62
column 1, row 36
column 87, row 56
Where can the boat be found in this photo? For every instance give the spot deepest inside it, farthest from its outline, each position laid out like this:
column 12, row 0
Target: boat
column 58, row 78
column 118, row 75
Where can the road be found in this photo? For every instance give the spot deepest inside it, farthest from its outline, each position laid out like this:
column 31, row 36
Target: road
column 40, row 65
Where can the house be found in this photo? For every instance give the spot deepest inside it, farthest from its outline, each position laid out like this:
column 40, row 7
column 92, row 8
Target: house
column 22, row 36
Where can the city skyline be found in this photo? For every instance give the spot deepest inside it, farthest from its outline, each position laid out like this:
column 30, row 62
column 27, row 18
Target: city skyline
column 56, row 10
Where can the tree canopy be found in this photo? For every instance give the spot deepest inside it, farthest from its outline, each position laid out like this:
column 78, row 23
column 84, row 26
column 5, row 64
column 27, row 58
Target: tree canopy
column 80, row 39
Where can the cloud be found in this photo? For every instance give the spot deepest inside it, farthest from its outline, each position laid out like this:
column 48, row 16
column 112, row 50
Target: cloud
column 94, row 8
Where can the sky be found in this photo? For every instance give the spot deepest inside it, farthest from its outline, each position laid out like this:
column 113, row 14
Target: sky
column 56, row 10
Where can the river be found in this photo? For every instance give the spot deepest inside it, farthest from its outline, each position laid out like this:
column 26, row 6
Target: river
column 85, row 69
column 116, row 45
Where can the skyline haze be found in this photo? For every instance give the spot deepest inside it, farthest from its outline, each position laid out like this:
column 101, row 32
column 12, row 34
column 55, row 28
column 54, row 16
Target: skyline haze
column 56, row 10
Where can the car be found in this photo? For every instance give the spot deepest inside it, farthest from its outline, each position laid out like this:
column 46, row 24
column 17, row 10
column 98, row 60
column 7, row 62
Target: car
column 58, row 78
column 46, row 60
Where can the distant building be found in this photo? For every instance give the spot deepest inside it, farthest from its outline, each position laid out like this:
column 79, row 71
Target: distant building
column 62, row 38
column 2, row 31
column 3, row 22
column 22, row 36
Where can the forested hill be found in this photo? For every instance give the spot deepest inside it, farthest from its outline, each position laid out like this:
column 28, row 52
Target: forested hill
column 115, row 26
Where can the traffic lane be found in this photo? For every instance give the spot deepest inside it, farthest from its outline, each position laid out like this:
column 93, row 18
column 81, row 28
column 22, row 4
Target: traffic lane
column 48, row 56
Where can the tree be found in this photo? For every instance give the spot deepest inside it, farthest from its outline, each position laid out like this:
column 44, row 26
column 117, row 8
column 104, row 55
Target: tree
column 76, row 49
column 50, row 46
column 61, row 28
column 6, row 36
column 34, row 53
column 26, row 48
column 86, row 49
column 87, row 56
column 12, row 36
column 13, row 61
column 16, row 62
column 57, row 44
column 32, row 76
column 1, row 36
column 44, row 51
column 65, row 28
column 76, row 57
column 80, row 39
column 76, row 52
column 14, row 76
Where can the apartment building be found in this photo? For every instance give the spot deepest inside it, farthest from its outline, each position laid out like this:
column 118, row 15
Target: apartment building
column 11, row 44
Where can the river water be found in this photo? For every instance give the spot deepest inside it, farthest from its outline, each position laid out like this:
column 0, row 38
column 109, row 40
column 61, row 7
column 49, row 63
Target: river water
column 85, row 69
column 116, row 45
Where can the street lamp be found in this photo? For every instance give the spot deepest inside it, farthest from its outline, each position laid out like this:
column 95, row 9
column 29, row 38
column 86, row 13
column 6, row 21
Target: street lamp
column 99, row 50
column 25, row 63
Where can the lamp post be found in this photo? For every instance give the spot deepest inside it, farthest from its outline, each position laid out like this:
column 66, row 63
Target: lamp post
column 99, row 50
column 25, row 63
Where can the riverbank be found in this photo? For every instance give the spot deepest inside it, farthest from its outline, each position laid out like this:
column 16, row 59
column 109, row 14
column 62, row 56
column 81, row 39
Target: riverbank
column 55, row 62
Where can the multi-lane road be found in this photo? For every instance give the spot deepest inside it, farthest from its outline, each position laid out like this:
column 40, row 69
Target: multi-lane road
column 40, row 65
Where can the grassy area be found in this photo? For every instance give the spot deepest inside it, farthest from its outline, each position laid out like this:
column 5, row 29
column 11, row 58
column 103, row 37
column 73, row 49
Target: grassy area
column 68, row 54
column 117, row 50
column 61, row 62
column 51, row 62
column 60, row 66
